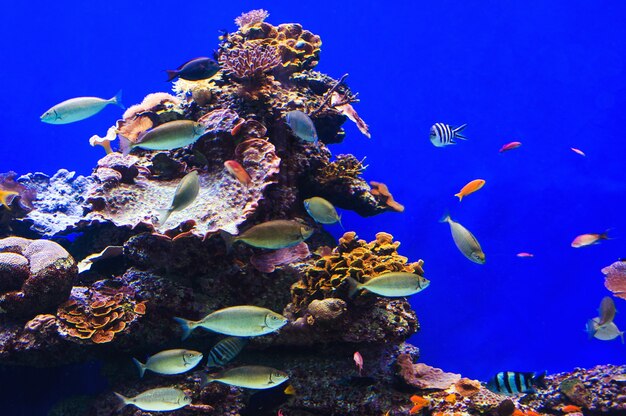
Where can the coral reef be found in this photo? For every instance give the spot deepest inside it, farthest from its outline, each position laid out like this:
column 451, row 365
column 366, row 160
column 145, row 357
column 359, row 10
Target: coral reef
column 615, row 278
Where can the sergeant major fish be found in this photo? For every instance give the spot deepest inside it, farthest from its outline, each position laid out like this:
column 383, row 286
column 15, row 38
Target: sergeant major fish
column 238, row 321
column 271, row 234
column 512, row 382
column 80, row 108
column 465, row 241
column 194, row 70
column 186, row 192
column 225, row 351
column 301, row 125
column 170, row 362
column 249, row 376
column 157, row 400
column 321, row 210
column 443, row 134
column 394, row 284
column 167, row 136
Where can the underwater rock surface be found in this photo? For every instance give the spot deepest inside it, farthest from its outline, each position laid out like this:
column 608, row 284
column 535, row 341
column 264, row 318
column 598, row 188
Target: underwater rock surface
column 123, row 305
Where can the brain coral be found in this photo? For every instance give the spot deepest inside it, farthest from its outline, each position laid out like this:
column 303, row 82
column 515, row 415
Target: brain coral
column 35, row 275
column 351, row 258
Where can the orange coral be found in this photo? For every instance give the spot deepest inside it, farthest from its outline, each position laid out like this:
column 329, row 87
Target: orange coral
column 381, row 192
column 351, row 258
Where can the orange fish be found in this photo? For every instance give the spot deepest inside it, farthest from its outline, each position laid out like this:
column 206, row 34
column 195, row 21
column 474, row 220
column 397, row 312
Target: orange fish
column 589, row 239
column 6, row 197
column 524, row 254
column 470, row 188
column 419, row 403
column 571, row 409
column 235, row 169
column 510, row 146
column 580, row 152
column 532, row 413
column 358, row 360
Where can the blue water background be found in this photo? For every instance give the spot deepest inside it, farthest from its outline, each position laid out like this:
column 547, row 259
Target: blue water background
column 548, row 74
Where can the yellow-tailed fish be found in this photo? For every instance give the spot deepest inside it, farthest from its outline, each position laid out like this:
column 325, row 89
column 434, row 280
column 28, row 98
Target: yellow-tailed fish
column 6, row 197
column 168, row 136
column 249, row 376
column 79, row 108
column 465, row 241
column 170, row 362
column 394, row 284
column 301, row 125
column 186, row 192
column 321, row 210
column 225, row 351
column 470, row 188
column 271, row 234
column 238, row 321
column 157, row 400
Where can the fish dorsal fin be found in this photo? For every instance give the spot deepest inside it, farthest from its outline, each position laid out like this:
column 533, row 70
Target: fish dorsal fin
column 191, row 60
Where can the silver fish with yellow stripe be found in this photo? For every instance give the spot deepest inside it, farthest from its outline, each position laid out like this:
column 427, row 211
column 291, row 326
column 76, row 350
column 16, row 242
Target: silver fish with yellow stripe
column 249, row 376
column 465, row 241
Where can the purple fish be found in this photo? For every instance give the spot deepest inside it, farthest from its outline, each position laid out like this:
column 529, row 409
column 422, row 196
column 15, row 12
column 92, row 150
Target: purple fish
column 195, row 70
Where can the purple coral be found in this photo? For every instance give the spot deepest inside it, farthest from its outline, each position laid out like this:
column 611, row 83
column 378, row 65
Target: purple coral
column 251, row 17
column 250, row 62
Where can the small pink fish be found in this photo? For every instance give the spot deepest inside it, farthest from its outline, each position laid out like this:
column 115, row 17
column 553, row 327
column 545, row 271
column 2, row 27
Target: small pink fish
column 589, row 239
column 235, row 169
column 524, row 254
column 510, row 146
column 580, row 152
column 280, row 412
column 358, row 360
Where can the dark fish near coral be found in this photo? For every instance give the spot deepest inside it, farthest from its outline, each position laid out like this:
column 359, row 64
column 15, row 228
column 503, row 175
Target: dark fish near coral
column 249, row 376
column 271, row 234
column 443, row 134
column 513, row 382
column 394, row 284
column 301, row 125
column 607, row 310
column 170, row 362
column 321, row 210
column 465, row 241
column 264, row 402
column 186, row 192
column 195, row 70
column 80, row 108
column 225, row 351
column 157, row 400
column 168, row 136
column 238, row 321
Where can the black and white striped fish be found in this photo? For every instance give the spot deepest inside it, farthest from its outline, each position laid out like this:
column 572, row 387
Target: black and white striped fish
column 513, row 382
column 225, row 351
column 444, row 134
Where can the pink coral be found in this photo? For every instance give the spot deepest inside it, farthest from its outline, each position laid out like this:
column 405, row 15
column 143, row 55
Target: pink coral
column 615, row 278
column 424, row 376
column 251, row 17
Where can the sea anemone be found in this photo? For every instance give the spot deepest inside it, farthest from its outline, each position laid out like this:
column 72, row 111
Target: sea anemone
column 251, row 17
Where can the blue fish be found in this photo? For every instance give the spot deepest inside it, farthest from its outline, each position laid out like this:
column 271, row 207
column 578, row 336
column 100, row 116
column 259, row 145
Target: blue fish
column 302, row 126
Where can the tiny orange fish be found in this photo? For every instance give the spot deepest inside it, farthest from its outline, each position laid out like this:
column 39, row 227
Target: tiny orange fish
column 580, row 152
column 470, row 188
column 571, row 409
column 510, row 146
column 235, row 169
column 524, row 254
column 450, row 398
column 358, row 360
column 418, row 404
column 589, row 239
column 532, row 413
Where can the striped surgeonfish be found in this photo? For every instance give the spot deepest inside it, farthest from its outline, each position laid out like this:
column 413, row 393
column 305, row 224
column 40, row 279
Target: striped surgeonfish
column 443, row 134
column 513, row 382
column 225, row 351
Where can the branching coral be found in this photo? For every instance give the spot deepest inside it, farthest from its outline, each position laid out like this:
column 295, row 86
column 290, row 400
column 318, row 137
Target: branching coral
column 344, row 167
column 250, row 62
column 355, row 258
column 252, row 17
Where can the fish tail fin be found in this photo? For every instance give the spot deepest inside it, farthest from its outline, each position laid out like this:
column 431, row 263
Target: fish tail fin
column 229, row 239
column 123, row 401
column 171, row 74
column 140, row 366
column 353, row 287
column 125, row 145
column 540, row 380
column 460, row 196
column 605, row 235
column 164, row 214
column 445, row 217
column 458, row 129
column 205, row 379
column 117, row 100
column 187, row 326
column 339, row 221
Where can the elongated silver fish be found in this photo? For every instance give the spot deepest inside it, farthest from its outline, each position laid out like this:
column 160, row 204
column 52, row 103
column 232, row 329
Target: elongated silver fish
column 321, row 210
column 168, row 136
column 301, row 125
column 443, row 134
column 394, row 284
column 186, row 192
column 238, row 321
column 271, row 234
column 465, row 241
column 170, row 362
column 80, row 108
column 156, row 400
column 225, row 351
column 249, row 376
